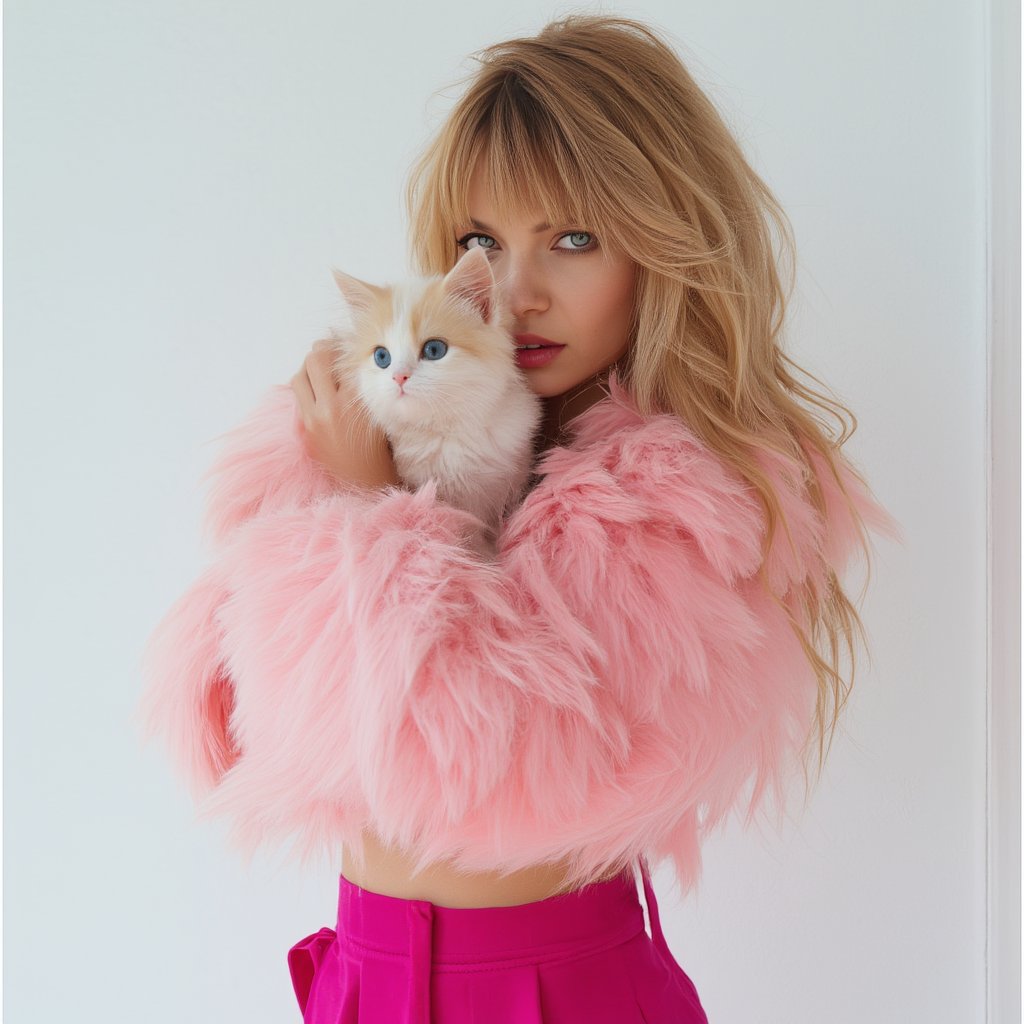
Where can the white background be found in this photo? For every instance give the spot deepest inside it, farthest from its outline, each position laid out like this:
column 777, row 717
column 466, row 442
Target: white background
column 180, row 178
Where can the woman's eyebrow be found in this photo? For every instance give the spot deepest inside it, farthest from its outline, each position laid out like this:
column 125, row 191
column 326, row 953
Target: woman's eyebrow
column 483, row 227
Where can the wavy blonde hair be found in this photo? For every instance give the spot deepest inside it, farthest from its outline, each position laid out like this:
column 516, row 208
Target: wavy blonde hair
column 596, row 120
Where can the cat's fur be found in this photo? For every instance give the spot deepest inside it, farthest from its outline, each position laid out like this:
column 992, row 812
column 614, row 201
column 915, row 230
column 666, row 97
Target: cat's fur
column 466, row 419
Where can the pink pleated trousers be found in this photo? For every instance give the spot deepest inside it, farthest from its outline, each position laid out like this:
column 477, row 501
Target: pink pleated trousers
column 579, row 958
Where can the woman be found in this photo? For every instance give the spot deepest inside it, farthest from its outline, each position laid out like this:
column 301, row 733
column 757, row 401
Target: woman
column 498, row 747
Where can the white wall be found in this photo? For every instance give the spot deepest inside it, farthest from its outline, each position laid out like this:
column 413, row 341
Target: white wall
column 180, row 177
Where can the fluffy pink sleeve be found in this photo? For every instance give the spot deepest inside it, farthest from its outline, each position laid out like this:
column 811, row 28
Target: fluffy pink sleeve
column 609, row 687
column 262, row 465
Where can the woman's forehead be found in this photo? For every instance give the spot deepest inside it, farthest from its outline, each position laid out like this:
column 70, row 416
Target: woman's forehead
column 534, row 197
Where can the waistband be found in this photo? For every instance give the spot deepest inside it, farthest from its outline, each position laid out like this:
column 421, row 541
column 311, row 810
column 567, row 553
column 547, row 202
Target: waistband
column 587, row 920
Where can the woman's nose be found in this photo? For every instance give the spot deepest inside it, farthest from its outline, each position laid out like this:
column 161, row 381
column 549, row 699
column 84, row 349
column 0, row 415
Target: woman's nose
column 522, row 287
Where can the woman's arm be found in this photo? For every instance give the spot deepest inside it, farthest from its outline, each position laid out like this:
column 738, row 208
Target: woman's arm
column 609, row 686
column 289, row 451
column 189, row 699
column 302, row 442
column 616, row 673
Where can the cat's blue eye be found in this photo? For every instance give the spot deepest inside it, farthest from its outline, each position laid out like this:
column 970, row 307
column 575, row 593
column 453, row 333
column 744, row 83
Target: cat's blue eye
column 435, row 348
column 382, row 357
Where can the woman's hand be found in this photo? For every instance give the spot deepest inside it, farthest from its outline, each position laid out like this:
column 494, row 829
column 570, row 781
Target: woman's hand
column 339, row 433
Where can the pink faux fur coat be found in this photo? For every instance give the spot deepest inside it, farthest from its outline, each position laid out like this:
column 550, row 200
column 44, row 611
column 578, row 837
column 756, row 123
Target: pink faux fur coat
column 607, row 688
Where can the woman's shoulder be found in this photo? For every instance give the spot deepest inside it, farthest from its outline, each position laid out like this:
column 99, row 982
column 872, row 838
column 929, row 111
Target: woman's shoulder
column 601, row 431
column 653, row 471
column 614, row 435
column 647, row 475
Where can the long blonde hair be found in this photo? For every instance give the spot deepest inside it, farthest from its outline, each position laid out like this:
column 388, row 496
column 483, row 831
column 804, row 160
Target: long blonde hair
column 596, row 120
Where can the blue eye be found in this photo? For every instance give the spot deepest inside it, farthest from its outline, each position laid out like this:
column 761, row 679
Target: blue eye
column 580, row 241
column 463, row 242
column 435, row 348
column 382, row 357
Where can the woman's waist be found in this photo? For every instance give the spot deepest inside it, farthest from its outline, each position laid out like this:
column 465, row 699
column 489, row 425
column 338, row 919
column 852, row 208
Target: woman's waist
column 474, row 930
column 389, row 872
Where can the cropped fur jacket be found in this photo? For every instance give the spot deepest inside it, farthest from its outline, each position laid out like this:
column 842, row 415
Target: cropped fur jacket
column 607, row 687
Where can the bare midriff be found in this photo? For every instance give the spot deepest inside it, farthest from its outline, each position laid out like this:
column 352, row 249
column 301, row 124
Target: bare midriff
column 389, row 871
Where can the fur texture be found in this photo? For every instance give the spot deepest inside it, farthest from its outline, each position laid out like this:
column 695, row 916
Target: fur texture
column 607, row 688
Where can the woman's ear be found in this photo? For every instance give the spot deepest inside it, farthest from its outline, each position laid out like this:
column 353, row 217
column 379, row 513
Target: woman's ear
column 471, row 278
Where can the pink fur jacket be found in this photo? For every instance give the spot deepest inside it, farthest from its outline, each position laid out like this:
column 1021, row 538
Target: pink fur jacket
column 605, row 689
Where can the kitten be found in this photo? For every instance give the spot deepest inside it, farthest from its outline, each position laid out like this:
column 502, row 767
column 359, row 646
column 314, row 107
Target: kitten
column 433, row 361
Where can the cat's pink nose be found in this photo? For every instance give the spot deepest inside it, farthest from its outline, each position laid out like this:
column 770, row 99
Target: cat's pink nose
column 401, row 378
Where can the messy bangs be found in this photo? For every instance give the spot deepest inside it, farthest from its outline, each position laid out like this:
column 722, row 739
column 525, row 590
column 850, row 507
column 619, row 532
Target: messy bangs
column 529, row 161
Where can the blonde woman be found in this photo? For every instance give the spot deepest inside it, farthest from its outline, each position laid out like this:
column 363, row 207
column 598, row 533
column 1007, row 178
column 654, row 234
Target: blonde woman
column 500, row 749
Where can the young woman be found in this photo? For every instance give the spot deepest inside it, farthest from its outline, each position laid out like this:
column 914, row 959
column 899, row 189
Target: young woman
column 498, row 746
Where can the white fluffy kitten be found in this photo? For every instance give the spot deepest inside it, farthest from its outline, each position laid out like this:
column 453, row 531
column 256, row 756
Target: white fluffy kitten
column 433, row 360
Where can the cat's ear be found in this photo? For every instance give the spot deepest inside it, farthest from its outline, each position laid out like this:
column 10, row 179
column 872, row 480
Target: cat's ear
column 471, row 278
column 358, row 294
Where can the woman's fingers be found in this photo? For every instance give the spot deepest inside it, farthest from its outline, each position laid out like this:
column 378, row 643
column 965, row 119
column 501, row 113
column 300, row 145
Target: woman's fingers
column 319, row 364
column 314, row 384
column 303, row 389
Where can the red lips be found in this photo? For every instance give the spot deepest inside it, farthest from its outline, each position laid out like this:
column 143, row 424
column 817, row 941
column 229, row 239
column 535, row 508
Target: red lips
column 536, row 339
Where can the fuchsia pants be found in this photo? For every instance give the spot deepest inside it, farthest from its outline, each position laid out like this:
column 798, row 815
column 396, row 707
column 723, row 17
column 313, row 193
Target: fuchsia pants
column 579, row 958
